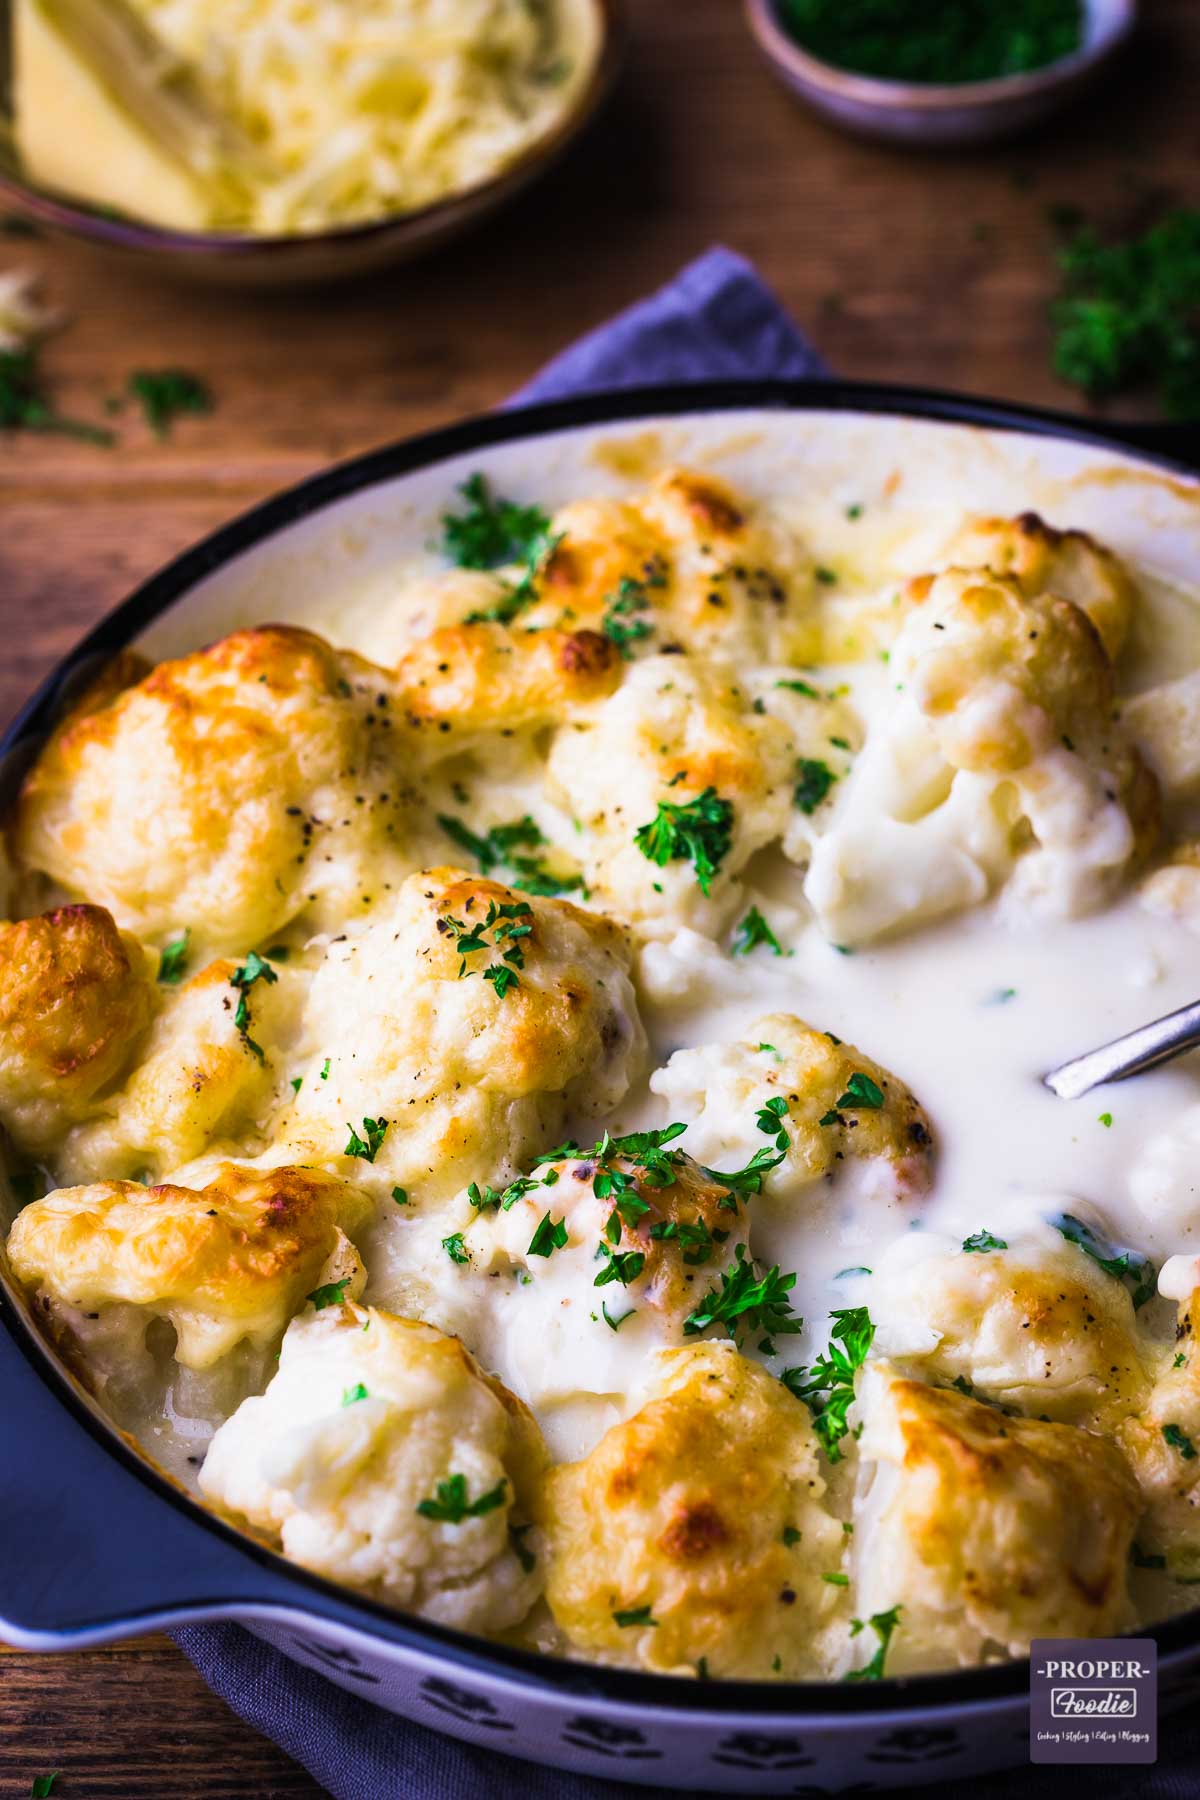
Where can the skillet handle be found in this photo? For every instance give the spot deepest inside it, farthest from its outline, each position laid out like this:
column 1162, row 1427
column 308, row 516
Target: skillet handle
column 92, row 1551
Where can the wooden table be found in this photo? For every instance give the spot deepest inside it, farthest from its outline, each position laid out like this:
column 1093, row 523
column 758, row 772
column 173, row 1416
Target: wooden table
column 902, row 267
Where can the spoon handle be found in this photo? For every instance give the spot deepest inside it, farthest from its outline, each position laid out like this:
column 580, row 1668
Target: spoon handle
column 1157, row 1042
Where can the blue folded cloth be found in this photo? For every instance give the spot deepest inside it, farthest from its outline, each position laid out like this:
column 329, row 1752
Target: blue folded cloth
column 716, row 319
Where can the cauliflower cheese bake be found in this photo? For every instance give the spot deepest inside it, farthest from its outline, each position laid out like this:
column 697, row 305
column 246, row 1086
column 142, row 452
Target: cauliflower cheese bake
column 521, row 1083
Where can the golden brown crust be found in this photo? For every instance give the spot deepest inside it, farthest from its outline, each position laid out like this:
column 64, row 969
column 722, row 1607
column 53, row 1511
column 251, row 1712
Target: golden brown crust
column 76, row 997
column 228, row 1261
column 200, row 795
column 489, row 677
column 991, row 1530
column 1163, row 1445
column 684, row 1510
column 1071, row 564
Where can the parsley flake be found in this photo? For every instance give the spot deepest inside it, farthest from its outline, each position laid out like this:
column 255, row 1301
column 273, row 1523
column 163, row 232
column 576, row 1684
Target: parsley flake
column 549, row 1236
column 24, row 406
column 366, row 1147
column 400, row 1196
column 883, row 1624
column 1179, row 1440
column 357, row 1392
column 451, row 1506
column 492, row 531
column 43, row 1786
column 455, row 1249
column 813, row 782
column 827, row 1388
column 615, row 1324
column 752, row 932
column 698, row 831
column 622, row 623
column 525, row 1556
column 173, row 958
column 1129, row 1266
column 165, row 394
column 332, row 1294
column 509, row 922
column 747, row 1300
column 982, row 1241
column 634, row 1615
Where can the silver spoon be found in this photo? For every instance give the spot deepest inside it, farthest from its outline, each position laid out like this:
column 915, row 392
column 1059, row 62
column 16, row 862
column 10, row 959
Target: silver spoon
column 1158, row 1042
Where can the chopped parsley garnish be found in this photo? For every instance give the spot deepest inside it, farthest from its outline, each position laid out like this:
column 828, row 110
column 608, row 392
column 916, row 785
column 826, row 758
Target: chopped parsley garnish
column 634, row 1615
column 981, row 1241
column 747, row 1300
column 255, row 968
column 749, row 1180
column 510, row 922
column 296, row 1083
column 827, row 1388
column 883, row 1624
column 861, row 1092
column 400, row 1196
column 826, row 577
column 455, row 1249
column 24, row 406
column 165, row 394
column 501, row 847
column 772, row 1117
column 622, row 623
column 172, row 960
column 43, row 1786
column 325, row 1070
column 800, row 687
column 1001, row 997
column 698, row 831
column 1129, row 1266
column 1106, row 1119
column 332, row 1294
column 451, row 1506
column 752, row 932
column 525, row 1556
column 1180, row 1360
column 791, row 1535
column 694, row 1238
column 492, row 531
column 857, row 1269
column 366, row 1147
column 835, row 1578
column 549, row 1236
column 351, row 1394
column 615, row 1324
column 620, row 1265
column 813, row 781
column 1179, row 1440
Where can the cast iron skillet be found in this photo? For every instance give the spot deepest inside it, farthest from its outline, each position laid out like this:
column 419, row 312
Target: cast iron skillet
column 99, row 1545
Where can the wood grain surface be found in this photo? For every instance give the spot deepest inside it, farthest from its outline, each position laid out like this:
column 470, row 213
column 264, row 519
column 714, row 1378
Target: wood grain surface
column 902, row 266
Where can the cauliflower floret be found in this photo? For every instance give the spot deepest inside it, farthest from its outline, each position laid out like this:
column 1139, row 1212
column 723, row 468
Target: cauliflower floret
column 1043, row 560
column 206, row 1076
column 76, row 996
column 467, row 1018
column 839, row 1107
column 1164, row 722
column 1163, row 1445
column 644, row 1231
column 695, row 1533
column 1037, row 1326
column 689, row 564
column 1172, row 891
column 468, row 679
column 381, row 1455
column 230, row 791
column 675, row 783
column 998, row 759
column 226, row 1262
column 985, row 1531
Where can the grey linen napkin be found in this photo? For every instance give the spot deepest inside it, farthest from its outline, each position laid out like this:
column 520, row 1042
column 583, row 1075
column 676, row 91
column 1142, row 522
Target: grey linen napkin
column 717, row 318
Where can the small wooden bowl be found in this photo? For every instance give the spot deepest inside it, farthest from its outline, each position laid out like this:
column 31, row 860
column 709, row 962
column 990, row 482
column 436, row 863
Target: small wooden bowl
column 241, row 260
column 926, row 113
